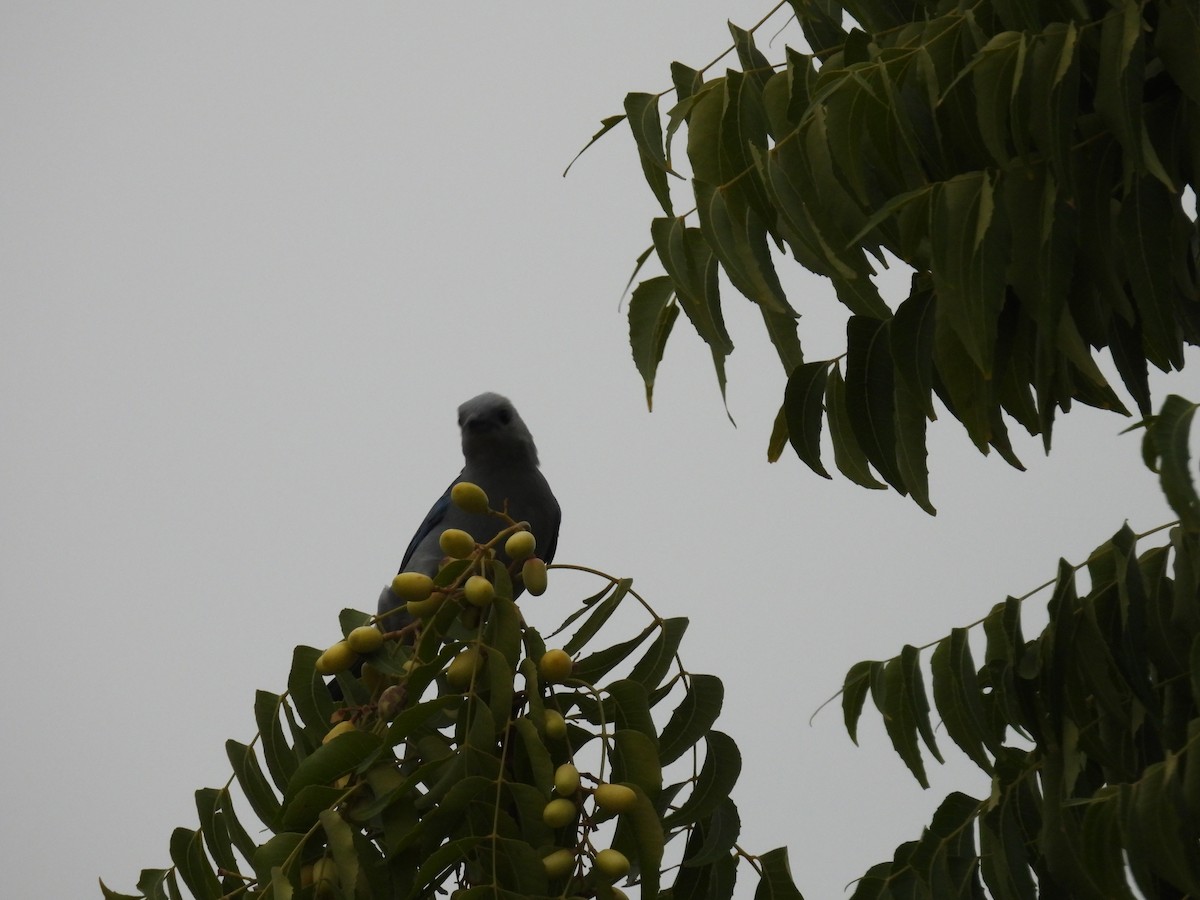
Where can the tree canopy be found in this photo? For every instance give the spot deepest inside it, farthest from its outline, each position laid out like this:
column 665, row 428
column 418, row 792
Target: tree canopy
column 1030, row 163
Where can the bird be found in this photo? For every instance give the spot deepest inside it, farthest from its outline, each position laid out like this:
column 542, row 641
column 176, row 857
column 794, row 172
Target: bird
column 499, row 455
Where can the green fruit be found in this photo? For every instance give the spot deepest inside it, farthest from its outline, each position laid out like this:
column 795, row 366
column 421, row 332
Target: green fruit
column 365, row 639
column 555, row 665
column 615, row 798
column 556, row 725
column 558, row 813
column 533, row 574
column 469, row 497
column 456, row 543
column 479, row 591
column 412, row 585
column 337, row 658
column 463, row 668
column 566, row 779
column 337, row 730
column 559, row 863
column 520, row 545
column 612, row 864
column 324, row 877
column 421, row 609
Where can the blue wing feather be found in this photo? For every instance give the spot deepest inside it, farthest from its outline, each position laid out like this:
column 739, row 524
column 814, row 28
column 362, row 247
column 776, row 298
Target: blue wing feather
column 436, row 513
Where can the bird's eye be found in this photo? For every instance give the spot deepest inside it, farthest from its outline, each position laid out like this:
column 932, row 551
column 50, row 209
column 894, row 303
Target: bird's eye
column 505, row 416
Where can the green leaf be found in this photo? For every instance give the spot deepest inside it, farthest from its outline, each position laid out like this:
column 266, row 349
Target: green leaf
column 692, row 718
column 187, row 852
column 776, row 882
column 213, row 827
column 110, row 894
column 280, row 849
column 636, row 761
column 594, row 667
column 996, row 76
column 969, row 263
column 642, row 113
column 804, row 411
column 651, row 317
column 430, row 874
column 1176, row 39
column 870, row 396
column 650, row 670
column 899, row 696
column 779, row 435
column 330, row 761
column 957, row 697
column 252, row 782
column 1169, row 432
column 1143, row 230
column 279, row 756
column 718, row 834
column 847, row 454
column 854, row 692
column 722, row 765
column 606, row 125
column 738, row 237
column 308, row 691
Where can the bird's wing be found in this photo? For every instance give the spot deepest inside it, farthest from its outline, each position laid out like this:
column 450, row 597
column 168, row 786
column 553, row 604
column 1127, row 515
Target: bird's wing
column 436, row 514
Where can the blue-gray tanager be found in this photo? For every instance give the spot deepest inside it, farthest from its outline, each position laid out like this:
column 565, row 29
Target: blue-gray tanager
column 502, row 459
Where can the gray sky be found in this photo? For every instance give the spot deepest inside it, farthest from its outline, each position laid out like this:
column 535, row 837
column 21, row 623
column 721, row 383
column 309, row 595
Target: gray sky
column 253, row 257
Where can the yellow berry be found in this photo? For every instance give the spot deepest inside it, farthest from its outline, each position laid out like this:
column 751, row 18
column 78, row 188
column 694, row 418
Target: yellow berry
column 533, row 574
column 556, row 725
column 555, row 665
column 469, row 497
column 337, row 658
column 412, row 585
column 612, row 864
column 559, row 863
column 479, row 591
column 615, row 798
column 558, row 812
column 463, row 667
column 337, row 730
column 420, row 609
column 566, row 779
column 365, row 639
column 520, row 545
column 456, row 543
column 324, row 877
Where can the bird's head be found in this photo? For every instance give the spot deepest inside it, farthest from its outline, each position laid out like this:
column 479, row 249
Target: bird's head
column 492, row 429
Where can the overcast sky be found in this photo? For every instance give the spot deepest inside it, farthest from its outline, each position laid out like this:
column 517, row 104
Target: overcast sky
column 253, row 256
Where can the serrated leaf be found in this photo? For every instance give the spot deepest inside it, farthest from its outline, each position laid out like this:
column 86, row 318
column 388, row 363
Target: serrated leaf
column 957, row 697
column 330, row 761
column 650, row 670
column 847, row 454
column 870, row 395
column 606, row 125
column 187, row 852
column 253, row 783
column 776, row 882
column 893, row 694
column 804, row 411
column 594, row 667
column 693, row 718
column 308, row 691
column 212, row 825
column 1169, row 432
column 718, row 834
column 722, row 766
column 855, row 686
column 652, row 315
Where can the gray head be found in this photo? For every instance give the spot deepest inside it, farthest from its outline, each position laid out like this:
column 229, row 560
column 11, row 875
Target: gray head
column 492, row 429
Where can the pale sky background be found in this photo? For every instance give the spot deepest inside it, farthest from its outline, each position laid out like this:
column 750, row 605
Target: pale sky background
column 254, row 255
